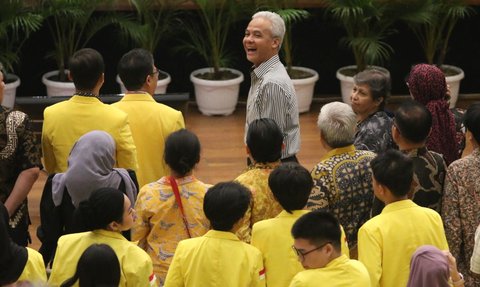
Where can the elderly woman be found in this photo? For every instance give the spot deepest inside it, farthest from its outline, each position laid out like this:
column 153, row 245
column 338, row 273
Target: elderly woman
column 374, row 126
column 427, row 86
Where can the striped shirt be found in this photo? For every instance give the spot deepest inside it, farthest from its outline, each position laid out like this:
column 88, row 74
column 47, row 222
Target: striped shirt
column 272, row 95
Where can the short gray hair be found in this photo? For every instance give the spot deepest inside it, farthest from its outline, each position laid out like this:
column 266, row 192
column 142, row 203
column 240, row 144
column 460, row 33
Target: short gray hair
column 337, row 122
column 278, row 25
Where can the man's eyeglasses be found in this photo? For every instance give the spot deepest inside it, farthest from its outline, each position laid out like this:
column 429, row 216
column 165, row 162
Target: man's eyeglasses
column 155, row 71
column 301, row 256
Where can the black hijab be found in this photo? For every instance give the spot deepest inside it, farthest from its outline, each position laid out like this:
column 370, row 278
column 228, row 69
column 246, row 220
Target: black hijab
column 12, row 256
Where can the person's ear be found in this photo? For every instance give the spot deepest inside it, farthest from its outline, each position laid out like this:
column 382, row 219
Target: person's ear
column 69, row 75
column 114, row 226
column 276, row 43
column 247, row 150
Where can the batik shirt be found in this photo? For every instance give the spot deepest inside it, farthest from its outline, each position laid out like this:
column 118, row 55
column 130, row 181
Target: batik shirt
column 159, row 225
column 18, row 152
column 461, row 210
column 375, row 133
column 263, row 205
column 343, row 186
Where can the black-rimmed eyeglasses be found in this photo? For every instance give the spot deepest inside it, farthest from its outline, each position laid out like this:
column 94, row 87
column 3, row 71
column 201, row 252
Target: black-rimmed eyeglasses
column 301, row 256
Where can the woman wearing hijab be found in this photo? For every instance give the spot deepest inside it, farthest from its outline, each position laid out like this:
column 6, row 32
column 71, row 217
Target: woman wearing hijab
column 432, row 267
column 427, row 86
column 17, row 263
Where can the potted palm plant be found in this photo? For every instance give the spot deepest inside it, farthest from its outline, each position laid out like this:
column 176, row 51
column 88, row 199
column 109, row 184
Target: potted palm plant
column 367, row 24
column 434, row 37
column 216, row 87
column 17, row 21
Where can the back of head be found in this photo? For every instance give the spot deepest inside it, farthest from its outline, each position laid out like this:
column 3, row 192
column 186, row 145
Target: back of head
column 134, row 67
column 226, row 203
column 86, row 67
column 182, row 151
column 104, row 206
column 427, row 83
column 291, row 185
column 98, row 266
column 337, row 123
column 429, row 267
column 278, row 24
column 378, row 82
column 471, row 120
column 319, row 227
column 95, row 151
column 413, row 121
column 394, row 170
column 265, row 140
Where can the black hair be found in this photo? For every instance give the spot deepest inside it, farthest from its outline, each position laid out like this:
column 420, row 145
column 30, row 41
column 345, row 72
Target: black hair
column 471, row 120
column 182, row 151
column 134, row 67
column 264, row 140
column 98, row 266
column 378, row 82
column 86, row 67
column 394, row 170
column 226, row 203
column 291, row 185
column 104, row 206
column 318, row 227
column 414, row 121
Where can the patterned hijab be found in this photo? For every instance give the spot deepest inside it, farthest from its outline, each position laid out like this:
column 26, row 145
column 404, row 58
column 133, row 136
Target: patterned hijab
column 428, row 267
column 12, row 256
column 90, row 167
column 428, row 86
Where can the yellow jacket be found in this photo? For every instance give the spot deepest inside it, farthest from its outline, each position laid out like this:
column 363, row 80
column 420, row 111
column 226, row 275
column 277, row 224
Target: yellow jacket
column 151, row 123
column 339, row 272
column 34, row 270
column 387, row 241
column 65, row 122
column 135, row 265
column 273, row 238
column 217, row 259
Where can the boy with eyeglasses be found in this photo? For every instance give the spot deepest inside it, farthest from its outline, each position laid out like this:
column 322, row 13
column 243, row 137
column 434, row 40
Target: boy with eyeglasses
column 317, row 244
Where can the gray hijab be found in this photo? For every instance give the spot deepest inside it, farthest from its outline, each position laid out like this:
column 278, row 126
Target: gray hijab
column 90, row 167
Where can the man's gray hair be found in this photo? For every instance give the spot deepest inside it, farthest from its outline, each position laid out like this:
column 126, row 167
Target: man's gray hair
column 337, row 122
column 278, row 25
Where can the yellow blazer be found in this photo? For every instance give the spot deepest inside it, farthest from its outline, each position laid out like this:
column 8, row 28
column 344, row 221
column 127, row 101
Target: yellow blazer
column 65, row 122
column 151, row 123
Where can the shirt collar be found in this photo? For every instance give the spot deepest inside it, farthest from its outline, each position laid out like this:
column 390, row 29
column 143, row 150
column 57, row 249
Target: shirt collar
column 221, row 235
column 264, row 67
column 340, row 150
column 107, row 233
column 138, row 97
column 397, row 205
column 85, row 100
column 294, row 214
column 337, row 261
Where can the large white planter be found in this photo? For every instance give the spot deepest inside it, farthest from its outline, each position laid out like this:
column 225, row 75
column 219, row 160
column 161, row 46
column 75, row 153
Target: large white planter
column 454, row 82
column 216, row 97
column 10, row 91
column 54, row 88
column 346, row 82
column 304, row 89
column 161, row 84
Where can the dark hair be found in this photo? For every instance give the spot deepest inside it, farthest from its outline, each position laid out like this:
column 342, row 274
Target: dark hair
column 264, row 140
column 225, row 203
column 104, row 206
column 318, row 227
column 182, row 151
column 86, row 67
column 98, row 266
column 471, row 120
column 378, row 83
column 291, row 184
column 134, row 67
column 394, row 170
column 413, row 121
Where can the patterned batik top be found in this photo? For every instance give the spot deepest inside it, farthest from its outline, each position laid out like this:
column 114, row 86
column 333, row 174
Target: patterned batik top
column 428, row 177
column 375, row 133
column 159, row 226
column 343, row 186
column 461, row 210
column 263, row 205
column 18, row 152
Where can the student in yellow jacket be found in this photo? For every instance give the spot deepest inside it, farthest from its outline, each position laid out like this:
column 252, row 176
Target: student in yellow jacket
column 219, row 258
column 291, row 185
column 150, row 122
column 387, row 242
column 105, row 214
column 65, row 122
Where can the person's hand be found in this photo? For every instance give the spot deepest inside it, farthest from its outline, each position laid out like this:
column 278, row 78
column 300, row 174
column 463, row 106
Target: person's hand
column 448, row 93
column 452, row 266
